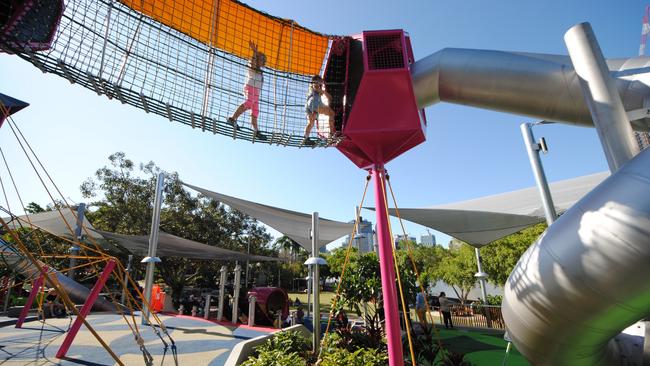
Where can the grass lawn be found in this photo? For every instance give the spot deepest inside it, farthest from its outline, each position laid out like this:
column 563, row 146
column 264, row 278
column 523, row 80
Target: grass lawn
column 325, row 299
column 482, row 348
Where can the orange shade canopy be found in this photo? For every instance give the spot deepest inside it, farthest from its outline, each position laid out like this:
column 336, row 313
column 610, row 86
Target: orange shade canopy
column 230, row 26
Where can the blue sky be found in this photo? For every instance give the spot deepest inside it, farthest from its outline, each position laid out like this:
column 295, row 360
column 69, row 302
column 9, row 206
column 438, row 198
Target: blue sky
column 469, row 152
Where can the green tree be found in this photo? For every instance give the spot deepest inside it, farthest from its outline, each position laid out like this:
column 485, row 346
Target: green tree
column 457, row 269
column 125, row 205
column 33, row 208
column 500, row 257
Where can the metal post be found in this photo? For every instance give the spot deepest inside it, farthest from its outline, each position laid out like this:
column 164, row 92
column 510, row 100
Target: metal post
column 235, row 295
column 8, row 294
column 482, row 276
column 533, row 148
column 601, row 95
column 309, row 277
column 222, row 291
column 251, row 310
column 387, row 268
column 248, row 251
column 74, row 249
column 151, row 258
column 126, row 277
column 316, row 280
column 206, row 309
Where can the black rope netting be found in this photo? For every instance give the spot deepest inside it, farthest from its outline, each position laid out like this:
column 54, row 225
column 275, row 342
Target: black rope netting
column 184, row 60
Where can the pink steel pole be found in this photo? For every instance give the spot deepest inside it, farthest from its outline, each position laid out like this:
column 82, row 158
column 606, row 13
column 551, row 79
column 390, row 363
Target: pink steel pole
column 30, row 299
column 387, row 268
column 85, row 309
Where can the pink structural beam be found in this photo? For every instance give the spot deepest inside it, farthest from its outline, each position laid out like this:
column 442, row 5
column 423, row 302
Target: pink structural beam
column 85, row 309
column 36, row 286
column 383, row 123
column 387, row 268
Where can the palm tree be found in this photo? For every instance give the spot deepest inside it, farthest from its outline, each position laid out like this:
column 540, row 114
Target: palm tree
column 287, row 245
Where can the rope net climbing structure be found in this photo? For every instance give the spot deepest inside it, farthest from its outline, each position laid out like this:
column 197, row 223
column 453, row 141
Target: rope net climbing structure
column 186, row 60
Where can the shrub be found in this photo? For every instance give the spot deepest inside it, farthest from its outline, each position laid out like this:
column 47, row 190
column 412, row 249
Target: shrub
column 283, row 349
column 275, row 358
column 360, row 357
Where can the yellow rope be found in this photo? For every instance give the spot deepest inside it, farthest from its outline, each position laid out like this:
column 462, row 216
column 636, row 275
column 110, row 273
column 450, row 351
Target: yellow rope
column 59, row 289
column 415, row 269
column 81, row 245
column 347, row 258
column 399, row 279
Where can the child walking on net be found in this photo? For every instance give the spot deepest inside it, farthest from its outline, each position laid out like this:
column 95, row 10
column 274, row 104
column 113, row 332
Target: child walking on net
column 315, row 106
column 252, row 88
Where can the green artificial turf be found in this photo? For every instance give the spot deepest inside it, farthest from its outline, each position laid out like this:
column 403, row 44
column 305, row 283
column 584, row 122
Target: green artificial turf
column 482, row 348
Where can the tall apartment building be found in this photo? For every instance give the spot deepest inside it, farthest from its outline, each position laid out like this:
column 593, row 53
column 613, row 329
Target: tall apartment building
column 428, row 240
column 364, row 240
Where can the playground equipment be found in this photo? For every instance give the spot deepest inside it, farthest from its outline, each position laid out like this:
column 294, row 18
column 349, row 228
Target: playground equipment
column 78, row 293
column 577, row 271
column 269, row 301
column 574, row 289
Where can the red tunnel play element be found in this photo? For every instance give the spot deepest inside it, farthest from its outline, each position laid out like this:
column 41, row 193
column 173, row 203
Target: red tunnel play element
column 269, row 301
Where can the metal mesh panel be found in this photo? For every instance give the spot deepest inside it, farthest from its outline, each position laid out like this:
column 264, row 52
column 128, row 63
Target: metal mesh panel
column 126, row 55
column 384, row 51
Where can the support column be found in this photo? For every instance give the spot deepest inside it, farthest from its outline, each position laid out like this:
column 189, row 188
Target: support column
column 316, row 280
column 74, row 249
column 151, row 258
column 601, row 96
column 127, row 270
column 536, row 164
column 387, row 268
column 12, row 280
column 206, row 308
column 482, row 276
column 235, row 295
column 251, row 310
column 222, row 291
column 30, row 300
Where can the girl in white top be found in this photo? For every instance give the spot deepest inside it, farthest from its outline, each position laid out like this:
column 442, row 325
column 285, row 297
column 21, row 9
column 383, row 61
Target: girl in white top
column 252, row 87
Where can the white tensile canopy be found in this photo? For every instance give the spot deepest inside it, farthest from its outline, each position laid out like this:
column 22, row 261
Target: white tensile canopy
column 483, row 220
column 295, row 225
column 53, row 222
column 173, row 246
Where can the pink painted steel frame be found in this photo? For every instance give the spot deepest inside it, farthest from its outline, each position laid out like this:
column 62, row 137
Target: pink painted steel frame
column 85, row 309
column 36, row 286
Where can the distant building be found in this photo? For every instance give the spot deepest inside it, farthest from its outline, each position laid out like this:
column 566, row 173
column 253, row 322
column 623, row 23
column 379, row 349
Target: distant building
column 428, row 240
column 402, row 237
column 364, row 240
column 455, row 244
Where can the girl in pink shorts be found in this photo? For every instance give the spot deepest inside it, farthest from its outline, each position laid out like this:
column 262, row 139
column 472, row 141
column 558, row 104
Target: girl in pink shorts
column 252, row 87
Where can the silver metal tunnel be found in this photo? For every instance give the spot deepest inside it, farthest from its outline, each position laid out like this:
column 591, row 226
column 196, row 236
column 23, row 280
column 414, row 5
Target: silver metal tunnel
column 585, row 279
column 537, row 85
column 22, row 266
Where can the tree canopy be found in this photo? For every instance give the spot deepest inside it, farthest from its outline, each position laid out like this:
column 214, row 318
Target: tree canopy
column 124, row 204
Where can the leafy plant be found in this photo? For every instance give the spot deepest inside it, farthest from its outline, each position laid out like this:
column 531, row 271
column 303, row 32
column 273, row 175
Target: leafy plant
column 283, row 349
column 289, row 342
column 454, row 359
column 360, row 357
column 275, row 358
column 425, row 347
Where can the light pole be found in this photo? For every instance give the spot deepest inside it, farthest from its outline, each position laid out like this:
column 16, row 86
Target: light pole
column 248, row 252
column 533, row 148
column 151, row 258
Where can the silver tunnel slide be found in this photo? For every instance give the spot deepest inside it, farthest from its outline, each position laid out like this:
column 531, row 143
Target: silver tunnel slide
column 22, row 266
column 586, row 278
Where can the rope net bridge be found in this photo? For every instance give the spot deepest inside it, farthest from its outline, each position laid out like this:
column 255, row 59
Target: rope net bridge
column 186, row 60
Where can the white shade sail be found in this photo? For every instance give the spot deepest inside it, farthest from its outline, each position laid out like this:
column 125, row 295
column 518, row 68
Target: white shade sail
column 295, row 225
column 173, row 246
column 53, row 222
column 483, row 220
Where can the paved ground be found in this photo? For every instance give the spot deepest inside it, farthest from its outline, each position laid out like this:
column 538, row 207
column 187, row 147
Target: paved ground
column 198, row 342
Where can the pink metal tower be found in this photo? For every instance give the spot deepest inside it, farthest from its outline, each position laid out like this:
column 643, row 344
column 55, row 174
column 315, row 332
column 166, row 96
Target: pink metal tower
column 379, row 117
